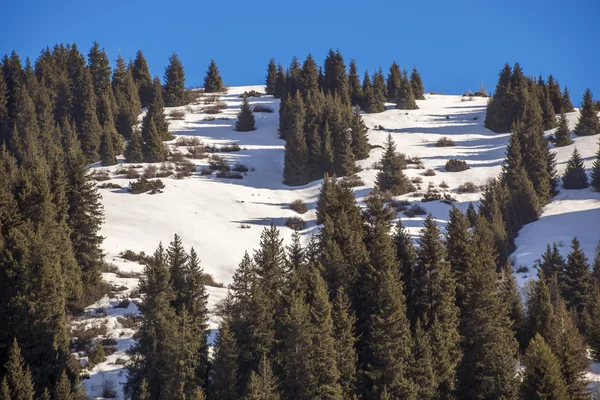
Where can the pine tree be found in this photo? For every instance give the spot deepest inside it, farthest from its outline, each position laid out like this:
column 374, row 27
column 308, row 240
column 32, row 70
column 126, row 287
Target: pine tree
column 539, row 307
column 588, row 123
column 417, row 85
column 212, row 81
column 343, row 332
column 177, row 260
column 154, row 150
column 555, row 95
column 552, row 263
column 156, row 113
column 107, row 151
column 292, row 79
column 89, row 129
column 142, row 78
column 271, row 79
column 574, row 176
column 62, row 390
column 18, row 375
column 263, row 384
column 394, row 81
column 595, row 175
column 498, row 117
column 100, row 70
column 406, row 256
column 548, row 112
column 355, row 88
column 174, row 83
column 379, row 86
column 280, row 84
column 471, row 215
column 295, row 170
column 223, row 382
column 359, row 132
column 576, row 281
column 309, row 78
column 390, row 176
column 133, row 151
column 127, row 99
column 593, row 331
column 422, row 369
column 567, row 106
column 596, row 265
column 457, row 245
column 4, row 390
column 511, row 298
column 245, row 121
column 371, row 102
column 335, row 78
column 543, row 378
column 405, row 98
column 562, row 134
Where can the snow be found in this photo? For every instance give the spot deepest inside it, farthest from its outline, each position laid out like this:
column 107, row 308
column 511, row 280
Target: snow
column 207, row 212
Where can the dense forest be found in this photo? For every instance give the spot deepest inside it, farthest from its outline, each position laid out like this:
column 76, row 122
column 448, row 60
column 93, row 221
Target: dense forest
column 361, row 311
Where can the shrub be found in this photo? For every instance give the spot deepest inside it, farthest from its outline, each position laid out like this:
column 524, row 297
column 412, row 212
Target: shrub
column 415, row 210
column 130, row 255
column 244, row 226
column 400, row 205
column 213, row 98
column 120, row 361
column 99, row 175
column 431, row 195
column 352, row 181
column 206, row 171
column 444, row 185
column 144, row 185
column 177, row 115
column 109, row 268
column 132, row 173
column 83, row 334
column 239, row 167
column 260, row 108
column 299, row 206
column 109, row 186
column 176, row 156
column 229, row 175
column 109, row 389
column 209, row 118
column 467, row 187
column 196, row 152
column 230, row 148
column 130, row 321
column 97, row 355
column 121, row 171
column 522, row 269
column 295, row 223
column 252, row 93
column 188, row 141
column 150, row 172
column 429, row 172
column 209, row 280
column 123, row 304
column 216, row 108
column 445, row 142
column 219, row 163
column 454, row 165
column 416, row 180
column 184, row 168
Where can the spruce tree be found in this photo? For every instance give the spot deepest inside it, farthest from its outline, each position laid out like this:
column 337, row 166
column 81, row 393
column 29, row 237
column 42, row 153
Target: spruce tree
column 567, row 106
column 371, row 102
column 4, row 390
column 355, row 87
column 555, row 95
column 576, row 281
column 18, row 375
column 309, row 78
column 593, row 331
column 156, row 112
column 562, row 134
column 280, row 84
column 511, row 298
column 574, row 176
column 107, row 151
column 344, row 321
column 100, row 70
column 405, row 98
column 595, row 175
column 379, row 86
column 335, row 78
column 295, row 170
column 552, row 263
column 263, row 384
column 457, row 245
column 390, row 176
column 213, row 82
column 548, row 112
column 471, row 214
column 133, row 151
column 89, row 129
column 127, row 99
column 359, row 132
column 245, row 121
column 271, row 79
column 543, row 378
column 292, row 79
column 417, row 84
column 406, row 256
column 588, row 123
column 177, row 259
column 174, row 83
column 499, row 117
column 62, row 391
column 142, row 78
column 394, row 81
column 154, row 150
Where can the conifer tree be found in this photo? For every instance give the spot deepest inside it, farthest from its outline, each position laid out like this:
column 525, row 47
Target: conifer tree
column 498, row 117
column 4, row 390
column 471, row 214
column 344, row 321
column 359, row 132
column 355, row 87
column 127, row 99
column 394, row 81
column 133, row 151
column 567, row 106
column 292, row 78
column 552, row 263
column 405, row 98
column 309, row 78
column 280, row 83
column 593, row 331
column 295, row 170
column 100, row 70
column 156, row 112
column 588, row 123
column 576, row 281
column 18, row 375
column 543, row 378
column 391, row 177
column 174, row 83
column 457, row 245
column 539, row 307
column 371, row 102
column 154, row 150
column 562, row 134
column 62, row 390
column 335, row 78
column 107, row 151
column 595, row 176
column 177, row 260
column 245, row 121
column 422, row 369
column 379, row 86
column 555, row 95
column 574, row 176
column 417, row 85
column 263, row 384
column 89, row 128
column 271, row 78
column 406, row 256
column 142, row 78
column 212, row 81
column 511, row 297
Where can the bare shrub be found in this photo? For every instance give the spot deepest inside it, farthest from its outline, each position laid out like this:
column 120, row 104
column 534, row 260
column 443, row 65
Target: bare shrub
column 400, row 205
column 218, row 163
column 210, row 99
column 417, row 180
column 444, row 185
column 84, row 333
column 245, row 226
column 429, row 172
column 121, row 171
column 176, row 156
column 229, row 148
column 251, row 93
column 177, row 115
column 261, row 108
column 109, row 186
column 150, row 172
column 229, row 175
column 352, row 181
column 130, row 321
column 196, row 152
column 415, row 210
column 209, row 118
column 99, row 175
column 445, row 142
column 130, row 255
column 206, row 171
column 239, row 167
column 454, row 165
column 467, row 187
column 295, row 223
column 132, row 173
column 184, row 169
column 299, row 206
column 188, row 141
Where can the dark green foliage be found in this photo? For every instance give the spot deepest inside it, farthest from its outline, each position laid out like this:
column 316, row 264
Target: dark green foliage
column 133, row 151
column 510, row 296
column 89, row 128
column 345, row 338
column 142, row 78
column 555, row 95
column 18, row 376
column 471, row 215
column 593, row 330
column 245, row 121
column 107, row 150
column 379, row 86
column 271, row 79
column 454, row 165
column 295, row 170
column 4, row 390
column 280, row 83
column 391, row 177
column 127, row 99
column 562, row 134
column 174, row 83
column 457, row 245
column 100, row 70
column 335, row 80
column 263, row 384
column 574, row 176
column 588, row 122
column 309, row 78
column 394, row 82
column 567, row 106
column 360, row 140
column 223, row 382
column 543, row 378
column 422, row 369
column 154, row 150
column 355, row 87
column 595, row 176
column 213, row 82
column 292, row 79
column 405, row 98
column 552, row 263
column 576, row 281
column 371, row 100
column 417, row 84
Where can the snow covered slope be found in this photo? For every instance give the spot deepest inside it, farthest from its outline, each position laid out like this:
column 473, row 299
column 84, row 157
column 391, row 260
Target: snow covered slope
column 208, row 212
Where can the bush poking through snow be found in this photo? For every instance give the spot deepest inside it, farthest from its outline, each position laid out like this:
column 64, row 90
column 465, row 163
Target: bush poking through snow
column 99, row 175
column 229, row 175
column 96, row 355
column 261, row 108
column 400, row 205
column 415, row 210
column 196, row 152
column 109, row 389
column 299, row 206
column 445, row 142
column 109, row 186
column 467, row 187
column 295, row 223
column 144, row 185
column 150, row 172
column 130, row 255
column 444, row 185
column 417, row 180
column 132, row 173
column 177, row 115
column 239, row 167
column 429, row 172
column 218, row 163
column 251, row 93
column 206, row 171
column 188, row 141
column 245, row 226
column 454, row 165
column 229, row 148
column 184, row 169
column 352, row 181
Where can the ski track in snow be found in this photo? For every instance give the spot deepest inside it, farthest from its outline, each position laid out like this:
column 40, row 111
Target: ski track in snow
column 207, row 212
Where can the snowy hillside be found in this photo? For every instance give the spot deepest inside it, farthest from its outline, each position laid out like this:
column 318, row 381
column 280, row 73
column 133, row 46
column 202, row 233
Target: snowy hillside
column 209, row 212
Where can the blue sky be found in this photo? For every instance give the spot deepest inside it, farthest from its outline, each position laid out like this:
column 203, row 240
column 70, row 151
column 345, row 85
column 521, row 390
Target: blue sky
column 454, row 44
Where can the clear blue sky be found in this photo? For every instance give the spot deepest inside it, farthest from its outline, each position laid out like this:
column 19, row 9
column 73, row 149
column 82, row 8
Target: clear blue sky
column 455, row 44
